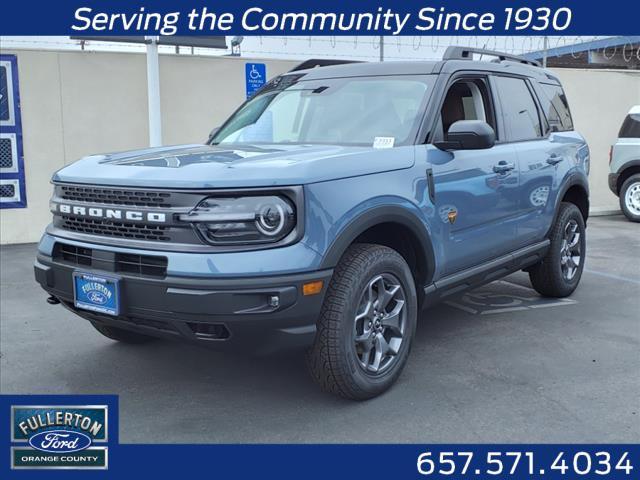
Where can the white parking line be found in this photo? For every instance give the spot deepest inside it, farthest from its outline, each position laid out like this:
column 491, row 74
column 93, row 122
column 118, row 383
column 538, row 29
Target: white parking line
column 614, row 277
column 503, row 310
column 554, row 304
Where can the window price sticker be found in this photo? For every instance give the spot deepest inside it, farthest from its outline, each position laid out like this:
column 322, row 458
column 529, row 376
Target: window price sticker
column 384, row 142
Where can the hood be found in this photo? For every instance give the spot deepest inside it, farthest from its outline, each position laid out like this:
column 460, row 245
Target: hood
column 206, row 166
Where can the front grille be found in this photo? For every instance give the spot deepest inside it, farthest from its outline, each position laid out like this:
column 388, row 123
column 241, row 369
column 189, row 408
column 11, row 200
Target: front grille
column 102, row 211
column 72, row 254
column 133, row 231
column 111, row 196
column 145, row 265
column 141, row 264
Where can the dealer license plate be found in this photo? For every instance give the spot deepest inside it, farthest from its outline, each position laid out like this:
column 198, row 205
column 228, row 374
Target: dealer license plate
column 96, row 293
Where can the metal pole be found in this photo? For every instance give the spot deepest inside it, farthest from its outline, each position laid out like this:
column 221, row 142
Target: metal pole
column 153, row 94
column 381, row 48
column 544, row 54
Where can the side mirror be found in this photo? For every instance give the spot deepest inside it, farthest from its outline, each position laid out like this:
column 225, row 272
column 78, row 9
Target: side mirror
column 212, row 133
column 468, row 135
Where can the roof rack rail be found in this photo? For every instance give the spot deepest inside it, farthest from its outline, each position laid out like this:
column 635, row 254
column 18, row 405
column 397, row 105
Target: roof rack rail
column 466, row 53
column 323, row 62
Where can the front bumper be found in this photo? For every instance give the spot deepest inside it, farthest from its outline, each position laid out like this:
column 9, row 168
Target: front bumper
column 224, row 313
column 613, row 183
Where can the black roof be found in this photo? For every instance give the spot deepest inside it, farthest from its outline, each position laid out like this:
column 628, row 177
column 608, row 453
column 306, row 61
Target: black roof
column 368, row 68
column 455, row 59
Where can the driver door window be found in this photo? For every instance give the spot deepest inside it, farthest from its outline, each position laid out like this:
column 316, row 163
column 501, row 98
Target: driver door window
column 466, row 99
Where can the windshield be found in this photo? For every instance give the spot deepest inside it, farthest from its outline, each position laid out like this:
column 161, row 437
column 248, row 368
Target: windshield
column 342, row 111
column 630, row 127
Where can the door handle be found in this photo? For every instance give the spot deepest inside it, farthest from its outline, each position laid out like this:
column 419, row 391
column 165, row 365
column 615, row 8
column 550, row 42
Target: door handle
column 503, row 167
column 554, row 159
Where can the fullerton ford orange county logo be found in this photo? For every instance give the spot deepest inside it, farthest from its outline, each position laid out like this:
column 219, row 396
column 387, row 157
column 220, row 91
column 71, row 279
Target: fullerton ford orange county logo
column 59, row 437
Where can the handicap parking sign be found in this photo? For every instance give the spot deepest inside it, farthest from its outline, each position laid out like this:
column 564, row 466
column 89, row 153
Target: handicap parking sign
column 255, row 76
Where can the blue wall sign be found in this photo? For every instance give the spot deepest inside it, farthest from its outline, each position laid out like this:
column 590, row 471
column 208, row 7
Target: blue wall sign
column 12, row 185
column 255, row 77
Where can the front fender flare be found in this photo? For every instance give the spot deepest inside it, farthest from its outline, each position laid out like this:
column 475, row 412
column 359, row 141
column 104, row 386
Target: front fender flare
column 377, row 215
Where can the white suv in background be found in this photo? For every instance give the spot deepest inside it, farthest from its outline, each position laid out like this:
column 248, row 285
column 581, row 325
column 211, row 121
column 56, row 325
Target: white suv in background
column 624, row 165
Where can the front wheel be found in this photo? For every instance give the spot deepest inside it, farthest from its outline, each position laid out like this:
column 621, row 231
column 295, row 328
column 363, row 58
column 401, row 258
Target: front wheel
column 559, row 272
column 630, row 198
column 366, row 325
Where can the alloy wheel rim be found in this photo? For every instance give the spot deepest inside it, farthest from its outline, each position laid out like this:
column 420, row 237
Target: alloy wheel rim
column 571, row 249
column 632, row 198
column 380, row 324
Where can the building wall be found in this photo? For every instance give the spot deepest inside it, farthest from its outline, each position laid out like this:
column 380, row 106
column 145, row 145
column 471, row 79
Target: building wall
column 78, row 103
column 599, row 101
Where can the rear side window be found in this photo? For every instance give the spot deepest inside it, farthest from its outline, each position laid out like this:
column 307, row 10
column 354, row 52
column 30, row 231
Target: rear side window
column 519, row 109
column 630, row 127
column 555, row 106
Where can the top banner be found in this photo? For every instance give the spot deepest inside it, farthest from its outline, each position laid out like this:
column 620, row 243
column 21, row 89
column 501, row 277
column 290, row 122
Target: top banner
column 312, row 17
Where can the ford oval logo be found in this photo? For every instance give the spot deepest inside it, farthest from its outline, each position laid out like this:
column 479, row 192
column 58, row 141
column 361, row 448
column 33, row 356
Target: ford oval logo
column 60, row 441
column 97, row 297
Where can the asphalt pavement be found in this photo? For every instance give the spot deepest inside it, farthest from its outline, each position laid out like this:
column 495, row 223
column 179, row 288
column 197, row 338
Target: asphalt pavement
column 499, row 364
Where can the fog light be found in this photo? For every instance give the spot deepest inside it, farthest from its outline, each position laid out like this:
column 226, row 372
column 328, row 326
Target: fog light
column 274, row 301
column 312, row 288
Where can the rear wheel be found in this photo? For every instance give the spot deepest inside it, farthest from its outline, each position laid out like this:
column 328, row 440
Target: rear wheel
column 559, row 272
column 121, row 335
column 366, row 325
column 630, row 198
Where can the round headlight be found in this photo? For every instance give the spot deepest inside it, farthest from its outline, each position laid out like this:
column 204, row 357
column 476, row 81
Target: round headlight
column 270, row 219
column 247, row 219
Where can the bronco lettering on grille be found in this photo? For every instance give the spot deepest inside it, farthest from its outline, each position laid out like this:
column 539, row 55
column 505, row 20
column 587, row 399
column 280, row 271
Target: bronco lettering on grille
column 108, row 213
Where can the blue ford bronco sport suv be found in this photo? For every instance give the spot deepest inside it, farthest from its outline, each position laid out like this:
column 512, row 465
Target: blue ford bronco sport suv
column 327, row 211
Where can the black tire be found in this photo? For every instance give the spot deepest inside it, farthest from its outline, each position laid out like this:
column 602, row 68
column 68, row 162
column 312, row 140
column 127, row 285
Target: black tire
column 551, row 277
column 334, row 359
column 633, row 182
column 121, row 335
